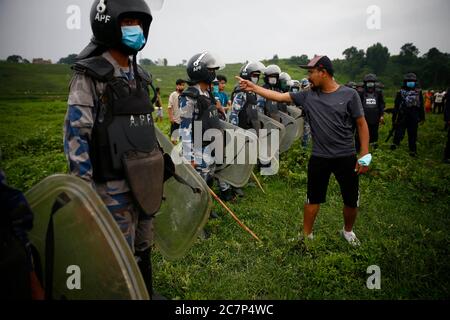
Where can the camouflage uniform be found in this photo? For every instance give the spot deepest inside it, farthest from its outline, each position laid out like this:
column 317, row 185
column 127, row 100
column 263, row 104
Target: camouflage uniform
column 84, row 97
column 205, row 165
column 238, row 104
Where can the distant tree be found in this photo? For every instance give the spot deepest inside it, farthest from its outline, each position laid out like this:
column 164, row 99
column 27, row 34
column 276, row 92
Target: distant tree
column 434, row 53
column 70, row 59
column 146, row 62
column 354, row 61
column 353, row 54
column 409, row 49
column 377, row 57
column 435, row 69
column 184, row 62
column 408, row 55
column 14, row 59
column 26, row 61
column 165, row 62
column 299, row 60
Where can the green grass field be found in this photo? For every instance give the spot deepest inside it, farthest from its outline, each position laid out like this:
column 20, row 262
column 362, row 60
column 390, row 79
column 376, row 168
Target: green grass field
column 404, row 221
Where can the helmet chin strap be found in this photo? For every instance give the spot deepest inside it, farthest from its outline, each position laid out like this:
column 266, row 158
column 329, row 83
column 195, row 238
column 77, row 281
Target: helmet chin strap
column 136, row 73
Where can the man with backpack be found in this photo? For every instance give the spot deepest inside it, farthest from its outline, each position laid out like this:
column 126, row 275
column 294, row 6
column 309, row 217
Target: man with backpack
column 408, row 113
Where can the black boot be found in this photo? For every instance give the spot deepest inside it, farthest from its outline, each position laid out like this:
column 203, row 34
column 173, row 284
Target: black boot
column 227, row 195
column 145, row 266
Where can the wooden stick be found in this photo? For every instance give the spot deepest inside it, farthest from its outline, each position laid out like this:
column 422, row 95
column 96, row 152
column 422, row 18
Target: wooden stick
column 257, row 181
column 243, row 226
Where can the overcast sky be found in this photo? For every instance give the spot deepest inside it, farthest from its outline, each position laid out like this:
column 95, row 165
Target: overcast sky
column 237, row 30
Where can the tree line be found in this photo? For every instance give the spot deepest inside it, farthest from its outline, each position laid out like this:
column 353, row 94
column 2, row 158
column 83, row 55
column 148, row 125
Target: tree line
column 432, row 67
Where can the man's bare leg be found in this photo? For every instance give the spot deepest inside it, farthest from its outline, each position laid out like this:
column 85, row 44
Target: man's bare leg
column 349, row 218
column 310, row 212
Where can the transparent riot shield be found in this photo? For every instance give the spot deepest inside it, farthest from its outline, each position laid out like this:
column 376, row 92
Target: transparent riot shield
column 265, row 137
column 183, row 213
column 297, row 114
column 291, row 131
column 240, row 155
column 89, row 248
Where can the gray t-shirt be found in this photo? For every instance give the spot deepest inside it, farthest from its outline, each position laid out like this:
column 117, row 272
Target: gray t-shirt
column 331, row 117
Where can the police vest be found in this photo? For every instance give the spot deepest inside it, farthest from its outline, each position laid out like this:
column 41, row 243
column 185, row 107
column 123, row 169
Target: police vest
column 123, row 121
column 370, row 101
column 272, row 108
column 205, row 110
column 248, row 115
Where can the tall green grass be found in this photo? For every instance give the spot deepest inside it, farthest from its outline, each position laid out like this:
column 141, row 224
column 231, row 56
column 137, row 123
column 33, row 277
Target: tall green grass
column 404, row 221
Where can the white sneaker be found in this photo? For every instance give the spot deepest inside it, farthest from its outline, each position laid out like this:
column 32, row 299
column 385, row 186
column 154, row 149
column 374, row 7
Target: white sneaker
column 310, row 236
column 350, row 237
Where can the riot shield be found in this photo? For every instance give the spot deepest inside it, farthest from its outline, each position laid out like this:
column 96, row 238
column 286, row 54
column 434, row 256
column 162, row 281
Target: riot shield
column 265, row 137
column 183, row 212
column 291, row 131
column 297, row 114
column 240, row 155
column 91, row 258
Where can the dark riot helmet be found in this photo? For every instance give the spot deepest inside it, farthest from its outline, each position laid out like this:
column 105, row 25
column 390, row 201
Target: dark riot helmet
column 105, row 23
column 370, row 78
column 410, row 77
column 249, row 68
column 202, row 68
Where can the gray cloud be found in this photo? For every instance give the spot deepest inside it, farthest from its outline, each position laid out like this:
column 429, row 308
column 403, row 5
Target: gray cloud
column 236, row 29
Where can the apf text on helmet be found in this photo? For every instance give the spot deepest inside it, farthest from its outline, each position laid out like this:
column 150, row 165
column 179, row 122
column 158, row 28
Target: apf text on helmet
column 102, row 17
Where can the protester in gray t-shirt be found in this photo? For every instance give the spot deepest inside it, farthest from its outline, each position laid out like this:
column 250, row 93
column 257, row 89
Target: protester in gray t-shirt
column 333, row 112
column 331, row 117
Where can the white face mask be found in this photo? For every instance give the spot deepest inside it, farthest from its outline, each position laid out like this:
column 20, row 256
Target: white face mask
column 272, row 81
column 255, row 80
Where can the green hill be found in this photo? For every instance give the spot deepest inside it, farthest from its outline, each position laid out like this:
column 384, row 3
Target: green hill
column 29, row 81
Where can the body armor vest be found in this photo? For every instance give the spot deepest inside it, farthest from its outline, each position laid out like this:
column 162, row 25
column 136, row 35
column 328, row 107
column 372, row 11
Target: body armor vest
column 248, row 115
column 205, row 110
column 371, row 107
column 124, row 143
column 273, row 108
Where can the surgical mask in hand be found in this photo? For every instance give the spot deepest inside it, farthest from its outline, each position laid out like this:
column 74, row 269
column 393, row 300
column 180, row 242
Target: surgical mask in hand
column 366, row 160
column 133, row 37
column 272, row 80
column 411, row 84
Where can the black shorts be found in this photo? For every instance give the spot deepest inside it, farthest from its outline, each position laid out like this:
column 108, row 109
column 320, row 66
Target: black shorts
column 319, row 172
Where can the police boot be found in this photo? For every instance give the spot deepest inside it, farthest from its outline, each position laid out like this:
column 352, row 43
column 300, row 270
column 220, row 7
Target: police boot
column 145, row 266
column 227, row 195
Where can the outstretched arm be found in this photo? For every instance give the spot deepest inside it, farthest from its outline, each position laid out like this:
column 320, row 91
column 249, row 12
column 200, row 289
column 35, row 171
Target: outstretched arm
column 266, row 93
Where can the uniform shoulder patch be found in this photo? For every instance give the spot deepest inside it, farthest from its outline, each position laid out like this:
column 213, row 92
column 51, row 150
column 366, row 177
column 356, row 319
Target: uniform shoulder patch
column 96, row 67
column 191, row 92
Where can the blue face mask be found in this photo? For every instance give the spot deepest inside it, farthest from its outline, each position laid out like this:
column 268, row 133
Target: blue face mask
column 133, row 37
column 411, row 84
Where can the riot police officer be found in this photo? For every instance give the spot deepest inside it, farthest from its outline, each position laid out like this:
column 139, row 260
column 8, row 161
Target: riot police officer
column 271, row 82
column 408, row 113
column 198, row 107
column 244, row 104
column 109, row 134
column 373, row 103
